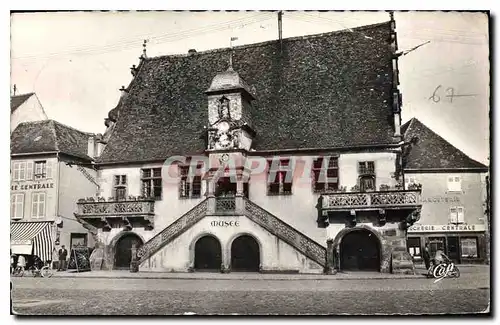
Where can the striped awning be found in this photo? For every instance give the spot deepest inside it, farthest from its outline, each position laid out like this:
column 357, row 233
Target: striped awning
column 32, row 238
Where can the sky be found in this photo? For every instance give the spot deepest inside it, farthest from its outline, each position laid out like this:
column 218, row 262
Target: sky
column 76, row 62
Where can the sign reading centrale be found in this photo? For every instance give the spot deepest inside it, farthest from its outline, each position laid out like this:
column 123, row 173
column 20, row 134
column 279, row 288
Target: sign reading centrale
column 31, row 187
column 445, row 228
column 225, row 223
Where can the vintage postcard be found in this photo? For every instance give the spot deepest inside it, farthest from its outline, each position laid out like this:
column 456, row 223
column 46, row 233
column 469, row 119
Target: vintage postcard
column 250, row 163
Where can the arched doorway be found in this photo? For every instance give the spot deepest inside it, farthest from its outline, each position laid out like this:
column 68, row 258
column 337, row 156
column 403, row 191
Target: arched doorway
column 360, row 251
column 207, row 254
column 123, row 250
column 245, row 254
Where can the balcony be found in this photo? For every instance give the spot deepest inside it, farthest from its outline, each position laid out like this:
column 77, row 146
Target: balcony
column 388, row 205
column 128, row 213
column 370, row 200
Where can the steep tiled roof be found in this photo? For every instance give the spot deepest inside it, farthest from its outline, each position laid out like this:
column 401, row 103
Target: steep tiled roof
column 18, row 100
column 49, row 136
column 326, row 90
column 430, row 151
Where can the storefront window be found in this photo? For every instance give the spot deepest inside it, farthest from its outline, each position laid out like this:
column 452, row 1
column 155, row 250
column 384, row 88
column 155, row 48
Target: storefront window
column 435, row 244
column 414, row 246
column 469, row 247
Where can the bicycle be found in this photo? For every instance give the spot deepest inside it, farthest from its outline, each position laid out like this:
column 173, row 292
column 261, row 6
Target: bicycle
column 18, row 271
column 44, row 272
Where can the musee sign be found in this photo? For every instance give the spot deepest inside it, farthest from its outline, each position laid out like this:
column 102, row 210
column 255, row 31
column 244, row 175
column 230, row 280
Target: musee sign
column 445, row 228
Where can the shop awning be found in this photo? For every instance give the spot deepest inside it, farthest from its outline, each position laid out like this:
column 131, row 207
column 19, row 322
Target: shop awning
column 32, row 238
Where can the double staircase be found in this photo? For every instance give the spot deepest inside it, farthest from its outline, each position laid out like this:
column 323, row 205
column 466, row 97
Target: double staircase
column 254, row 212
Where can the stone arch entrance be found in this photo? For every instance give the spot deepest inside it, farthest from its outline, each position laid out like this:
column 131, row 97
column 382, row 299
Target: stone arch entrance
column 207, row 254
column 245, row 254
column 123, row 250
column 360, row 251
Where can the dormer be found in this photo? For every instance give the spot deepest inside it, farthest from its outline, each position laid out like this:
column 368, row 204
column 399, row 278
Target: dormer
column 229, row 112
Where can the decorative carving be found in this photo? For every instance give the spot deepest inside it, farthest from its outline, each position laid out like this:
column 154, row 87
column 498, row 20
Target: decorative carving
column 224, row 111
column 112, row 208
column 285, row 232
column 224, row 204
column 106, row 226
column 371, row 199
column 172, row 231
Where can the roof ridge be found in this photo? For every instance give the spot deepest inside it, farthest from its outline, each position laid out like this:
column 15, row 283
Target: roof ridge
column 264, row 43
column 70, row 127
column 26, row 94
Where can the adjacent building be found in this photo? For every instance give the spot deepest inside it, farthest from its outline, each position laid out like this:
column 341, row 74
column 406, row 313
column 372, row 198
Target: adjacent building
column 453, row 185
column 282, row 156
column 51, row 167
column 25, row 108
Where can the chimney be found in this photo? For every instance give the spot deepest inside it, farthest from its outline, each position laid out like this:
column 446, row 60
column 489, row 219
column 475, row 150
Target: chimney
column 91, row 147
column 100, row 144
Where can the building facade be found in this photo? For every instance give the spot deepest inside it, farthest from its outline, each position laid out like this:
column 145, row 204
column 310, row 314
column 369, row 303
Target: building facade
column 283, row 156
column 453, row 215
column 50, row 170
column 25, row 108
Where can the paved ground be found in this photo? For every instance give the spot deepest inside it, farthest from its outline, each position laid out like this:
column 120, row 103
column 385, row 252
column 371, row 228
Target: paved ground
column 108, row 296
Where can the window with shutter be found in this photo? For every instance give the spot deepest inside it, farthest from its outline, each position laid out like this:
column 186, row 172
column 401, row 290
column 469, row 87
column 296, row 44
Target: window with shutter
column 453, row 215
column 19, row 170
column 17, row 206
column 38, row 205
column 460, row 215
column 49, row 168
column 29, row 170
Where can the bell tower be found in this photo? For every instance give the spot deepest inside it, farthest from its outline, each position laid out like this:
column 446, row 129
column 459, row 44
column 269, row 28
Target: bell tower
column 229, row 112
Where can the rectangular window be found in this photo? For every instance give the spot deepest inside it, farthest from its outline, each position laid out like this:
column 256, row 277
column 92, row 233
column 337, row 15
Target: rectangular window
column 120, row 187
column 410, row 180
column 17, row 206
column 280, row 177
column 414, row 246
column 78, row 240
column 366, row 168
column 151, row 183
column 454, row 184
column 457, row 215
column 40, row 169
column 468, row 247
column 38, row 205
column 325, row 174
column 190, row 185
column 19, row 171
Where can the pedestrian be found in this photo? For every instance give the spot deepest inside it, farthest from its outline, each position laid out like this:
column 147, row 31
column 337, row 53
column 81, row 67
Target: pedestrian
column 427, row 256
column 63, row 254
column 21, row 261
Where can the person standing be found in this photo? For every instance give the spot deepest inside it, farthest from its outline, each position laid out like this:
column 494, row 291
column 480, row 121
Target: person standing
column 21, row 261
column 427, row 256
column 63, row 254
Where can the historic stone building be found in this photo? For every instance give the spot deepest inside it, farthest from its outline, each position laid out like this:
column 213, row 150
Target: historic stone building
column 51, row 167
column 453, row 197
column 282, row 156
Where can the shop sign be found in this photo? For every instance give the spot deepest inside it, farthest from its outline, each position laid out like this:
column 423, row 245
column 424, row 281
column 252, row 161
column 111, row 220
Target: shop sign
column 445, row 228
column 31, row 186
